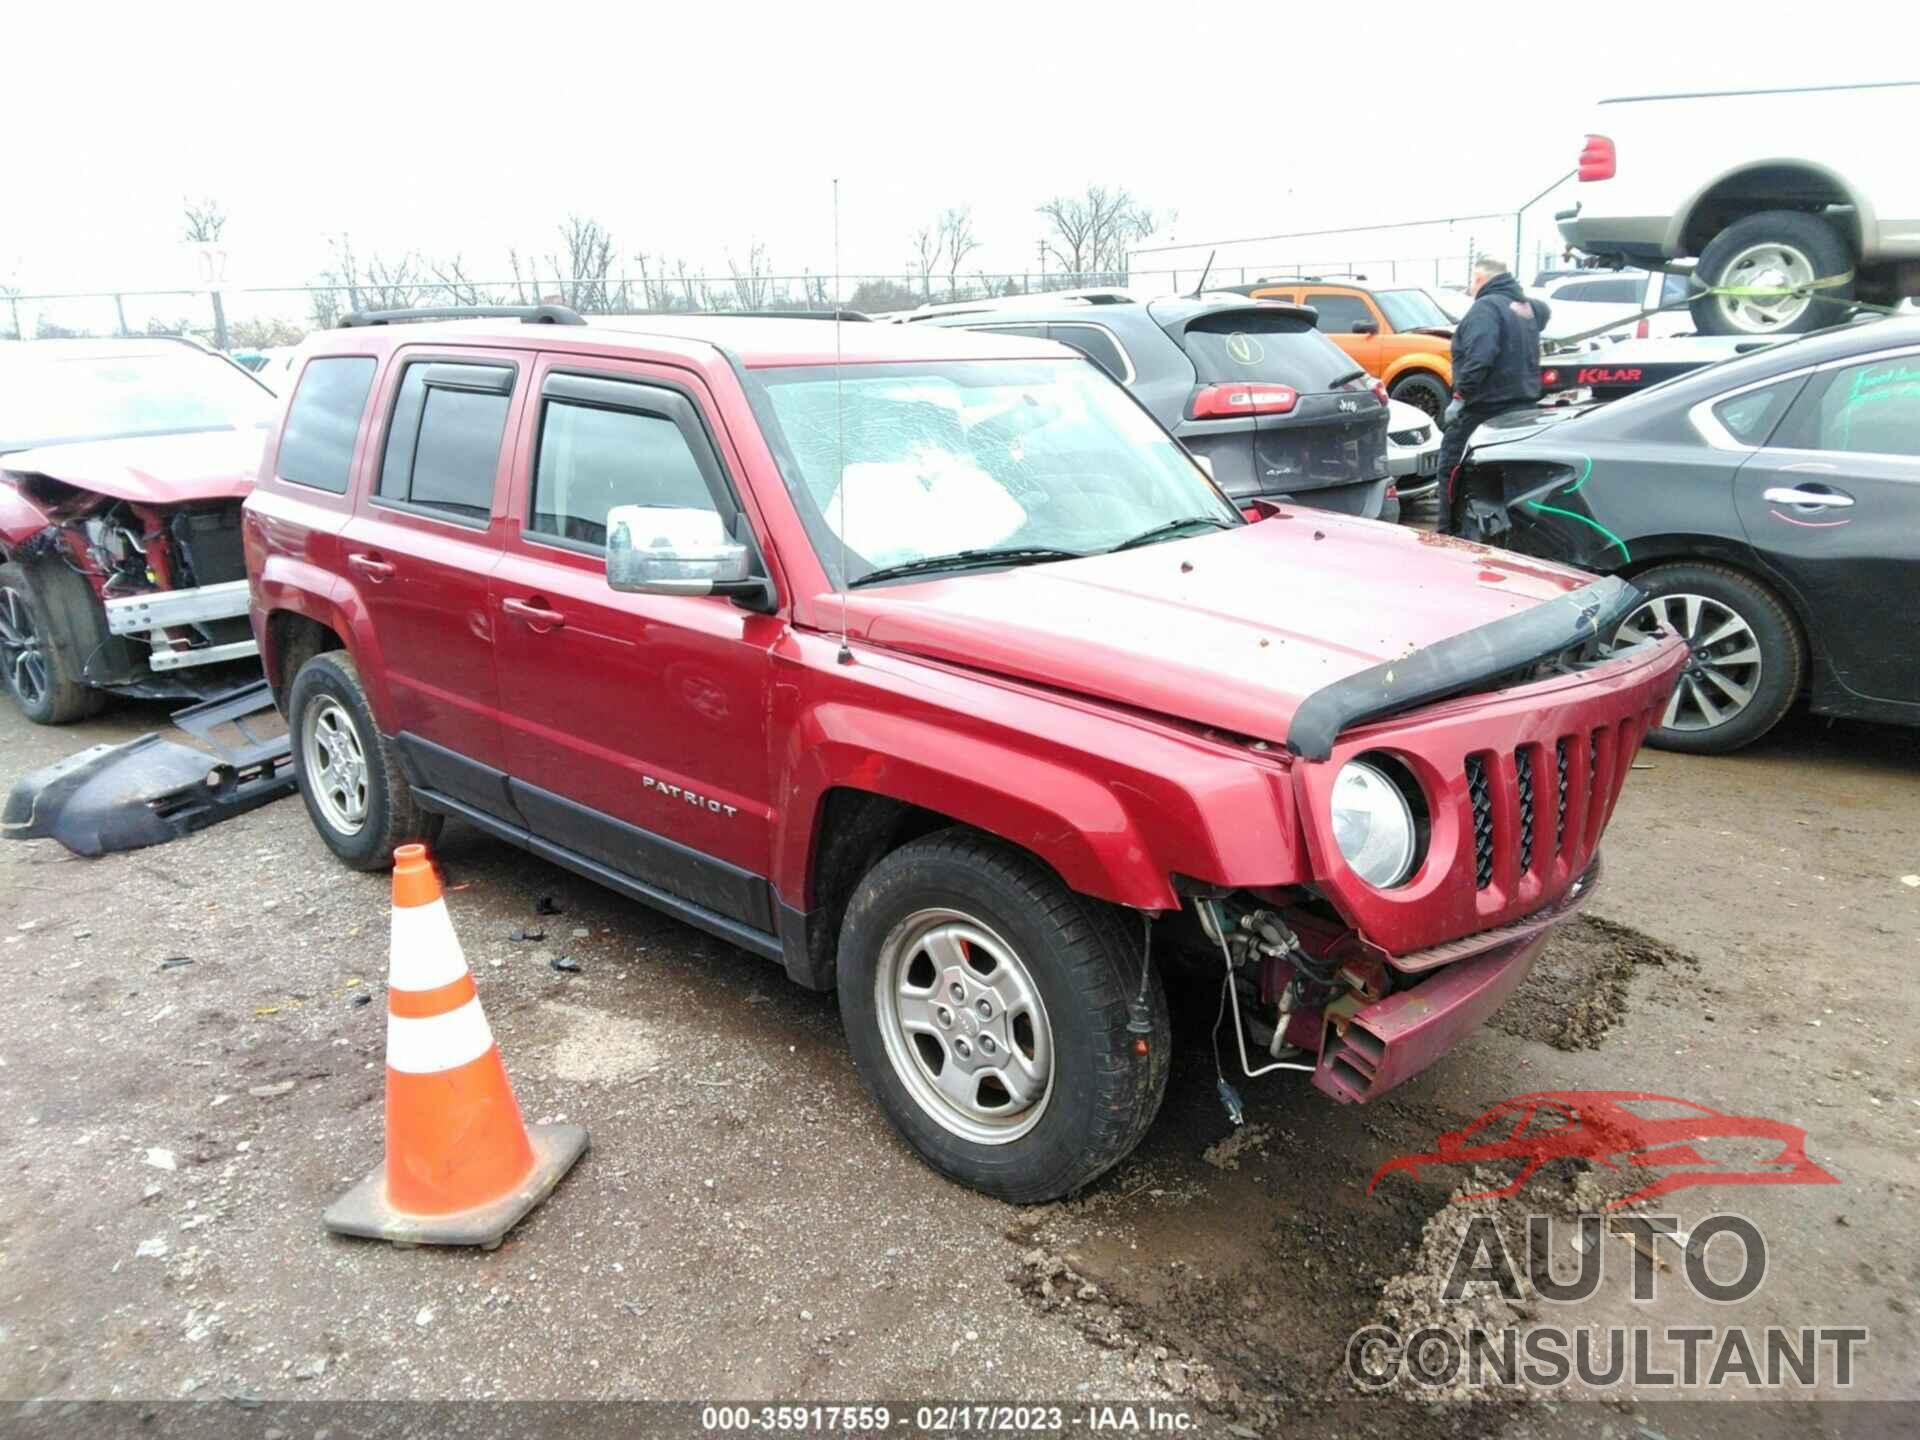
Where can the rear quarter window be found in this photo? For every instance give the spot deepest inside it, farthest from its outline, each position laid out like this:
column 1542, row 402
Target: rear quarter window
column 1255, row 344
column 316, row 444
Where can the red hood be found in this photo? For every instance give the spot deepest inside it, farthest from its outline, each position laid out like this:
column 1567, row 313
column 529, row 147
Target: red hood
column 1231, row 630
column 152, row 470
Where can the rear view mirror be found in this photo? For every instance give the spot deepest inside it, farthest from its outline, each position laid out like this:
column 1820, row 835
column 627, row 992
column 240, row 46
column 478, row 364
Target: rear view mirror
column 1365, row 327
column 670, row 550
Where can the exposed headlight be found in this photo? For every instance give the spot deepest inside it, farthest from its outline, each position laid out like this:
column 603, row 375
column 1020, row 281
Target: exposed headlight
column 1372, row 824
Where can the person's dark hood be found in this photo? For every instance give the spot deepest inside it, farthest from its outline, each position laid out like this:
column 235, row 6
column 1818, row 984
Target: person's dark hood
column 1504, row 286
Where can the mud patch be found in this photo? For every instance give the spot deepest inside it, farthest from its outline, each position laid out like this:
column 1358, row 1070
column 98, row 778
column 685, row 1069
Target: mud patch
column 597, row 1046
column 1577, row 991
column 1227, row 1154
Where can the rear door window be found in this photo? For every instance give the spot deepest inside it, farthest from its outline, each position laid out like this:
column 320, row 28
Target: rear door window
column 316, row 447
column 443, row 445
column 1257, row 344
column 1340, row 313
column 1871, row 409
column 1750, row 418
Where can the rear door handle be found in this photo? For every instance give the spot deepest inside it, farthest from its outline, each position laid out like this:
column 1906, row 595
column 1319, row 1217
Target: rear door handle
column 371, row 566
column 1786, row 495
column 534, row 612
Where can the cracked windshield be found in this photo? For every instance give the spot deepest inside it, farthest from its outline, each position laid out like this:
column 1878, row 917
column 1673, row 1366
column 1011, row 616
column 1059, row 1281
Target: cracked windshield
column 945, row 460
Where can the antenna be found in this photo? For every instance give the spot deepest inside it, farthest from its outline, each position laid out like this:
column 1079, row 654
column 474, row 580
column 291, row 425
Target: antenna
column 1204, row 274
column 845, row 657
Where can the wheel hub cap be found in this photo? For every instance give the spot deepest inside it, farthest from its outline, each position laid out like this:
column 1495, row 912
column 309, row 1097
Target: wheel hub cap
column 22, row 659
column 1723, row 666
column 336, row 766
column 964, row 1026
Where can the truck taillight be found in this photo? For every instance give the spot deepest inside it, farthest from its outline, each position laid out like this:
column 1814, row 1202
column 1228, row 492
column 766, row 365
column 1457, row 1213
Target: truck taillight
column 1597, row 159
column 1210, row 402
column 1642, row 330
column 1549, row 378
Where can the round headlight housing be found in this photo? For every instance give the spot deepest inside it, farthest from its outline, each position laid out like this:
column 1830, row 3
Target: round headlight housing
column 1373, row 824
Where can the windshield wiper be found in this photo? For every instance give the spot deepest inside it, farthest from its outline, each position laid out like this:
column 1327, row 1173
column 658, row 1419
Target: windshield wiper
column 1166, row 528
column 967, row 560
column 1346, row 379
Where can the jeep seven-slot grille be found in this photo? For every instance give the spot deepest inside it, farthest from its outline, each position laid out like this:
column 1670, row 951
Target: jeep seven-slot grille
column 1482, row 799
column 1506, row 796
column 1523, row 782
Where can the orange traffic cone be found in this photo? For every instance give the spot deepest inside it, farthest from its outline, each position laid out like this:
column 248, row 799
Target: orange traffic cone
column 462, row 1168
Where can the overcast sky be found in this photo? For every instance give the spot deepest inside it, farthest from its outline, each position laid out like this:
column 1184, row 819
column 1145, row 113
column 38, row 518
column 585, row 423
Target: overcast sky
column 692, row 131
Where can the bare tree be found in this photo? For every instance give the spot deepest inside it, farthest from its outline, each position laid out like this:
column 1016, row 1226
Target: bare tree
column 928, row 242
column 205, row 219
column 584, row 283
column 752, row 286
column 456, row 286
column 375, row 283
column 956, row 234
column 1093, row 231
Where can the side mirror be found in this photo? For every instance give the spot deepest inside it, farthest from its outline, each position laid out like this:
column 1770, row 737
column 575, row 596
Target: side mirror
column 670, row 550
column 1365, row 327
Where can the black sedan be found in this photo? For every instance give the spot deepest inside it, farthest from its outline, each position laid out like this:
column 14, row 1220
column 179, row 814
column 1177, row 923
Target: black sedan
column 1769, row 506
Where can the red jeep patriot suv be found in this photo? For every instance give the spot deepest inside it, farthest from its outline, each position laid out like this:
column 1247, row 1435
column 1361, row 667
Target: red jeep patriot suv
column 926, row 664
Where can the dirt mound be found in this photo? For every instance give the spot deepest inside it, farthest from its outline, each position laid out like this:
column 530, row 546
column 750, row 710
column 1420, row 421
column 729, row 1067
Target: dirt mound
column 1577, row 991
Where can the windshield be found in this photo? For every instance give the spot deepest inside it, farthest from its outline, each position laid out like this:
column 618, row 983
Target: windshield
column 957, row 456
column 1410, row 309
column 48, row 400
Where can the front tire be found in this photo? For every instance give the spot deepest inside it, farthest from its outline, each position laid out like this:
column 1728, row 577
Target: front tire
column 349, row 775
column 987, row 1007
column 1748, row 661
column 1775, row 247
column 37, row 659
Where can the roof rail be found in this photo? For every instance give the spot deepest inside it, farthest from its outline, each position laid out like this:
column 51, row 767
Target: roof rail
column 854, row 315
column 526, row 314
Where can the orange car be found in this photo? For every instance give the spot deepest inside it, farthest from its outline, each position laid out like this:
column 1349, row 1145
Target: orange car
column 1399, row 337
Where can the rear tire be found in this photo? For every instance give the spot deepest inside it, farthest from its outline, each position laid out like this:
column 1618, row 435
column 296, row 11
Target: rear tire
column 37, row 653
column 1759, row 653
column 960, row 910
column 1772, row 247
column 1423, row 390
column 355, row 791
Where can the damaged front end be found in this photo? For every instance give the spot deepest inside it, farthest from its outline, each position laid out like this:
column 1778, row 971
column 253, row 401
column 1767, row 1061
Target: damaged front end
column 1510, row 745
column 164, row 614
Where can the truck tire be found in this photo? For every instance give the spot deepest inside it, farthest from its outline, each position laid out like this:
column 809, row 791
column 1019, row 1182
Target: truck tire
column 1425, row 391
column 1744, row 643
column 988, row 1008
column 348, row 773
column 1771, row 248
column 38, row 653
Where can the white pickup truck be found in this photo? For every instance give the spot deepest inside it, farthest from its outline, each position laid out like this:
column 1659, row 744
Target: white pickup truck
column 1768, row 189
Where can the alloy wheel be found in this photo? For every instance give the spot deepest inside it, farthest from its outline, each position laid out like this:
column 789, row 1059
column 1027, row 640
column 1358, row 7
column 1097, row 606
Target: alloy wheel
column 1770, row 265
column 1723, row 661
column 964, row 1026
column 23, row 655
column 336, row 765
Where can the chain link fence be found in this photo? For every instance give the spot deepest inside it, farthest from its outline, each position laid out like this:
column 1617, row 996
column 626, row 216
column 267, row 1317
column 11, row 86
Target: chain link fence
column 259, row 318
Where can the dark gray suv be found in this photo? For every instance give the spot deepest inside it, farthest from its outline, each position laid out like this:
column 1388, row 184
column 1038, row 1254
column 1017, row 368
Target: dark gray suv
column 1277, row 410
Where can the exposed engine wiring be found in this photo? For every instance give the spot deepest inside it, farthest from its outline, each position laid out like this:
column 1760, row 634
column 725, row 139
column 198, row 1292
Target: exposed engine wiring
column 1230, row 1005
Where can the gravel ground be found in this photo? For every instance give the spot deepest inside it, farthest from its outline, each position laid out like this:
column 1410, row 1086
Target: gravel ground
column 746, row 1225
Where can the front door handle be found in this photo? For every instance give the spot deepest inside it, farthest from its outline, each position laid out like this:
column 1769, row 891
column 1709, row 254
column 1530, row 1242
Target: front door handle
column 1787, row 495
column 535, row 613
column 371, row 566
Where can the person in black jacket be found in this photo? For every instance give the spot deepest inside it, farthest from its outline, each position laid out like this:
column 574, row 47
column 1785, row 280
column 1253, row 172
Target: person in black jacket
column 1496, row 358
